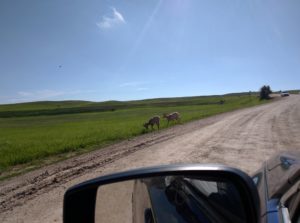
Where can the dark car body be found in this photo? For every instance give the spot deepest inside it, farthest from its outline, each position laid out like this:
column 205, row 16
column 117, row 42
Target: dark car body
column 277, row 181
column 183, row 199
column 278, row 184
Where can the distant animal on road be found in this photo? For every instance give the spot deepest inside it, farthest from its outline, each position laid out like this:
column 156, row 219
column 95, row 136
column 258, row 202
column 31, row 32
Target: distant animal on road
column 152, row 121
column 172, row 117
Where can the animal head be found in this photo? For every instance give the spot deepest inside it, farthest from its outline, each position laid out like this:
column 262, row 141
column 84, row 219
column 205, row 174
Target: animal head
column 146, row 125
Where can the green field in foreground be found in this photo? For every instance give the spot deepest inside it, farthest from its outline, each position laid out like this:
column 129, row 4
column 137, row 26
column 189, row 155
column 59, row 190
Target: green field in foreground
column 31, row 138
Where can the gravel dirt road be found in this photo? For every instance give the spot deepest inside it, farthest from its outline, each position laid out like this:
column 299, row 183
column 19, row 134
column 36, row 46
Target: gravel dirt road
column 242, row 139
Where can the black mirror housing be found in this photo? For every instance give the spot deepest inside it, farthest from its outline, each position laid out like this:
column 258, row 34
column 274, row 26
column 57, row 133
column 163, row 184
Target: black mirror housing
column 80, row 200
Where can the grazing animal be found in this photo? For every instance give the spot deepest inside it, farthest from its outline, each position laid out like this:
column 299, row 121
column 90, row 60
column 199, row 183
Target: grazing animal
column 152, row 121
column 172, row 116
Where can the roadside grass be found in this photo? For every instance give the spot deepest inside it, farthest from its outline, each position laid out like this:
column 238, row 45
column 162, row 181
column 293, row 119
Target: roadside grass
column 29, row 142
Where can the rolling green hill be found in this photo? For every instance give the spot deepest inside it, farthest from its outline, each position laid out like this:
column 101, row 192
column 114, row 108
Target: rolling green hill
column 74, row 107
column 33, row 133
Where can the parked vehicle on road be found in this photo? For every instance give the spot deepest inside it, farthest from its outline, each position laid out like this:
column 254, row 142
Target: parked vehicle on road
column 284, row 94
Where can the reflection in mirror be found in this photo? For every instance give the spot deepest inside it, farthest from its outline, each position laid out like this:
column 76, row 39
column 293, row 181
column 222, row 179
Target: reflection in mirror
column 175, row 199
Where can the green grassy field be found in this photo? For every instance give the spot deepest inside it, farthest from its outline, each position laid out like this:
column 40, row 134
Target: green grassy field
column 28, row 139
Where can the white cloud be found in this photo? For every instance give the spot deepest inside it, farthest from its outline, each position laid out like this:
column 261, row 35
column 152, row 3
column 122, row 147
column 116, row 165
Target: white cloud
column 42, row 95
column 24, row 94
column 136, row 85
column 142, row 89
column 37, row 95
column 131, row 84
column 109, row 21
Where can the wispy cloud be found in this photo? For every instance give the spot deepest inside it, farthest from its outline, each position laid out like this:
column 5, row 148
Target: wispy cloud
column 41, row 95
column 142, row 34
column 131, row 84
column 24, row 94
column 142, row 89
column 111, row 20
column 135, row 86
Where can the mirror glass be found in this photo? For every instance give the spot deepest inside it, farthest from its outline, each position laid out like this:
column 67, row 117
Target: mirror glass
column 170, row 199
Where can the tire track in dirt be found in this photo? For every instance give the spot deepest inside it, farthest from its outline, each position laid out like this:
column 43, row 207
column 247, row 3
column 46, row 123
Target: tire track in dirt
column 50, row 179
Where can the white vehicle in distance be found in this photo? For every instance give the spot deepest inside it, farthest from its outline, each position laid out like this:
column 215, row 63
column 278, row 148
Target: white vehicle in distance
column 284, row 94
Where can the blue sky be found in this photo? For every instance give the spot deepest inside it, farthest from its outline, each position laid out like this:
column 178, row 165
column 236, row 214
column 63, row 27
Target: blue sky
column 124, row 50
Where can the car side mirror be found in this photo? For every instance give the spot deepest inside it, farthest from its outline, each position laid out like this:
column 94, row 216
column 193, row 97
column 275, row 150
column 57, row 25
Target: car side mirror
column 172, row 193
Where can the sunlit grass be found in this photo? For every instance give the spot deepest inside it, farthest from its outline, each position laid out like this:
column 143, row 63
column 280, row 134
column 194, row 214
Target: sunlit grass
column 27, row 139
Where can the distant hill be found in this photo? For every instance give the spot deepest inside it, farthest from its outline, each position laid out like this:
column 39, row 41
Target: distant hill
column 76, row 106
column 42, row 105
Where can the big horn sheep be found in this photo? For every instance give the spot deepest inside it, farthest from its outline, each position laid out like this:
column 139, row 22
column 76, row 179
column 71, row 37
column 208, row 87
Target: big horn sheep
column 172, row 116
column 152, row 121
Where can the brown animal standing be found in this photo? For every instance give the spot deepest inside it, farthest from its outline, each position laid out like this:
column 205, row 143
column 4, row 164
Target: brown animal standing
column 172, row 117
column 152, row 121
